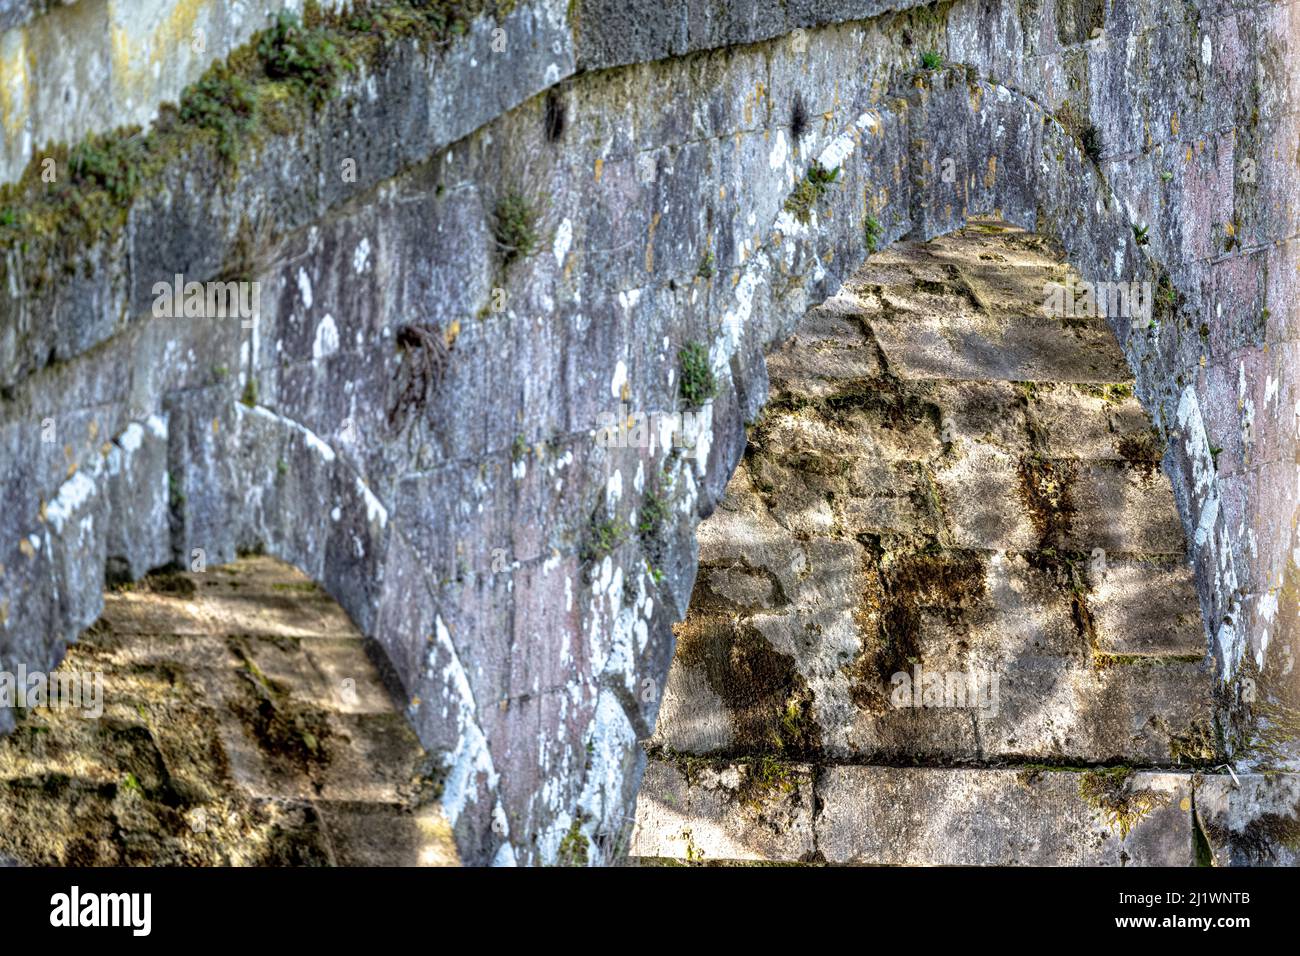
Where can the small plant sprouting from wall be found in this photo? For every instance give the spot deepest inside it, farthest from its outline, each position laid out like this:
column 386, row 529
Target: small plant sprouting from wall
column 1140, row 234
column 303, row 55
column 174, row 493
column 707, row 267
column 223, row 102
column 653, row 518
column 515, row 226
column 810, row 190
column 574, row 847
column 697, row 382
column 439, row 20
column 603, row 536
column 1112, row 793
column 874, row 233
column 1232, row 235
column 109, row 162
column 931, row 60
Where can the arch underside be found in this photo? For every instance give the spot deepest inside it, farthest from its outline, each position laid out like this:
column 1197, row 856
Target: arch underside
column 944, row 613
column 226, row 716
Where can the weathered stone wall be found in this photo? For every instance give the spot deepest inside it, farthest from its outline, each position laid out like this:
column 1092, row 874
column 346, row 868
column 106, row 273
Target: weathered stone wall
column 88, row 66
column 521, row 578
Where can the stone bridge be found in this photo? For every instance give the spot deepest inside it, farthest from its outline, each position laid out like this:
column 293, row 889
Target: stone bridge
column 478, row 232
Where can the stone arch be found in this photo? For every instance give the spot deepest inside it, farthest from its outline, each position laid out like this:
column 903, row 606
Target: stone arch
column 949, row 550
column 211, row 475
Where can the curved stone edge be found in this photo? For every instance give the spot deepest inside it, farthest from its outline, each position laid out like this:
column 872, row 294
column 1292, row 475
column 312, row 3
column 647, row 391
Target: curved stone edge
column 64, row 81
column 503, row 59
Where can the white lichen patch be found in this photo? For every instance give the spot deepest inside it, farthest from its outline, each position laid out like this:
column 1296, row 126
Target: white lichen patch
column 72, row 495
column 376, row 513
column 619, row 380
column 780, row 151
column 326, row 342
column 314, row 441
column 361, row 256
column 304, row 288
column 563, row 240
column 472, row 759
column 614, row 488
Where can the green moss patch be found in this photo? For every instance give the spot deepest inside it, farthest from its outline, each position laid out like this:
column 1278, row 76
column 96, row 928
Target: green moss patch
column 574, row 847
column 1111, row 791
column 696, row 382
column 515, row 227
column 269, row 86
column 603, row 536
column 770, row 703
column 872, row 233
column 304, row 55
column 809, row 191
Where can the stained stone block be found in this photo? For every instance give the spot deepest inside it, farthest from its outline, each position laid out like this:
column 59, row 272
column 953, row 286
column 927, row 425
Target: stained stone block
column 339, row 680
column 828, row 354
column 1129, row 712
column 742, row 811
column 951, row 315
column 1015, row 610
column 279, row 613
column 1122, row 508
column 377, row 834
column 984, row 413
column 1093, row 422
column 1251, row 820
column 984, row 502
column 1146, row 606
column 374, row 758
column 886, row 498
column 1040, row 707
column 901, row 816
column 692, row 718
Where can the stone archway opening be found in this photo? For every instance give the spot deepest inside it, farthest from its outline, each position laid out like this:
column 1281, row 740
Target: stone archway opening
column 233, row 716
column 944, row 612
